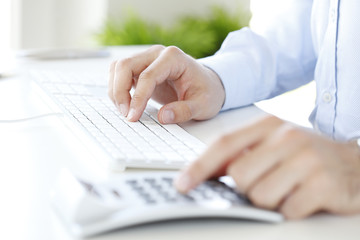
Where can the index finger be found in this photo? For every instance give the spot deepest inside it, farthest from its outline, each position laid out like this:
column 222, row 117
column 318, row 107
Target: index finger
column 123, row 72
column 223, row 151
column 170, row 65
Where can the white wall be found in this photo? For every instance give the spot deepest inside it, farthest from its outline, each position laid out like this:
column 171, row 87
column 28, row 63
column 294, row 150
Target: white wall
column 5, row 23
column 72, row 23
column 5, row 34
column 60, row 23
column 36, row 23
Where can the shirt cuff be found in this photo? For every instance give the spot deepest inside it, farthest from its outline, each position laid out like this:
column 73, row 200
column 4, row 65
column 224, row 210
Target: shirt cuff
column 236, row 77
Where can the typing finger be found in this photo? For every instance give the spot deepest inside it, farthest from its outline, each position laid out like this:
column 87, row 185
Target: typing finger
column 272, row 188
column 278, row 147
column 224, row 151
column 125, row 71
column 305, row 200
column 168, row 66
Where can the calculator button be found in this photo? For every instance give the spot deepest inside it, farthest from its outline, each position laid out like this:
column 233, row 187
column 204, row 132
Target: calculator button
column 150, row 201
column 116, row 193
column 132, row 182
column 170, row 198
column 167, row 179
column 149, row 180
column 187, row 198
column 229, row 196
column 138, row 188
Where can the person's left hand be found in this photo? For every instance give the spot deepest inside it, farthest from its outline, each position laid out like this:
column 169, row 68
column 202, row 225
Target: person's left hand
column 283, row 167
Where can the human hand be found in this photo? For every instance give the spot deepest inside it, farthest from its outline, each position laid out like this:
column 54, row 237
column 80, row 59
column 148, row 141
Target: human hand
column 282, row 167
column 188, row 89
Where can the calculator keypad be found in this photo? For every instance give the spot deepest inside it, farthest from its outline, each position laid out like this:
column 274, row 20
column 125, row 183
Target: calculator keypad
column 154, row 190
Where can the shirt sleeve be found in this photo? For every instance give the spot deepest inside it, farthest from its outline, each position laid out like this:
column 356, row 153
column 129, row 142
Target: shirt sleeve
column 274, row 56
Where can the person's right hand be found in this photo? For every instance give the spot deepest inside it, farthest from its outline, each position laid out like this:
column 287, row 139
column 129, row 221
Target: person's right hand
column 187, row 89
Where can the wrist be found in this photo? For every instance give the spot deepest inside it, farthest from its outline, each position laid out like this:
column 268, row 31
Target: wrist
column 220, row 86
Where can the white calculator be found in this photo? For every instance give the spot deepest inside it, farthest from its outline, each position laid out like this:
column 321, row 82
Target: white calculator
column 136, row 198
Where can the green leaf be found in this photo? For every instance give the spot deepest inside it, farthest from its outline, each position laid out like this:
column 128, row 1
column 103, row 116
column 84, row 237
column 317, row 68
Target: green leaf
column 197, row 36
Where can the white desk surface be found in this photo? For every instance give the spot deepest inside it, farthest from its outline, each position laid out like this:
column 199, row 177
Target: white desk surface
column 33, row 152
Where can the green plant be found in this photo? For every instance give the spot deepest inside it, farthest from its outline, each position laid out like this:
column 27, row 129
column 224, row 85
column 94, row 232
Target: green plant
column 197, row 36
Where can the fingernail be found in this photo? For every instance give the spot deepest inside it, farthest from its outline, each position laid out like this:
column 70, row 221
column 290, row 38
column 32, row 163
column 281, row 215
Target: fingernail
column 168, row 116
column 123, row 109
column 131, row 114
column 183, row 182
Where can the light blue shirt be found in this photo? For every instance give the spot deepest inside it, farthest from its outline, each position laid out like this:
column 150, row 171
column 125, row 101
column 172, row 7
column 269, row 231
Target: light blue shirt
column 300, row 41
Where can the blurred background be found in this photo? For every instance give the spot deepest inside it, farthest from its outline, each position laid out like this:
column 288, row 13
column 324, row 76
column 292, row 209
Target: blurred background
column 29, row 24
column 196, row 26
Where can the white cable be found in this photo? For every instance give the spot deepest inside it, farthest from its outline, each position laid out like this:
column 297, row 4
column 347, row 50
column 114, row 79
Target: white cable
column 30, row 118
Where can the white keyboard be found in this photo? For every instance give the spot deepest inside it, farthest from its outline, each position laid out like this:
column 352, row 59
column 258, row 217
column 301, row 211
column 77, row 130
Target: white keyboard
column 142, row 144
